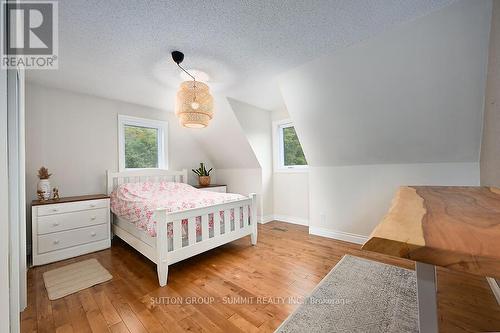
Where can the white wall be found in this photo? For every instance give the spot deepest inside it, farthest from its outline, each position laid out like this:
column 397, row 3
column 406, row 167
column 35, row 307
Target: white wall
column 353, row 199
column 291, row 197
column 256, row 124
column 291, row 189
column 76, row 137
column 243, row 181
column 490, row 149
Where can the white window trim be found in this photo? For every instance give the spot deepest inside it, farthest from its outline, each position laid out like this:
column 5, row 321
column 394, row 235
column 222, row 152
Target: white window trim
column 278, row 149
column 161, row 126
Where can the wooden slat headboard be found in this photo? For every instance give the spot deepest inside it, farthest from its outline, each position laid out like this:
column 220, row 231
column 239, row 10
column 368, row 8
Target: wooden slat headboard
column 114, row 179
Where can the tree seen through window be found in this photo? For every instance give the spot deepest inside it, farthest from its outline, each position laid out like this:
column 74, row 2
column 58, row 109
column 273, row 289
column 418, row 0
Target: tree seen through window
column 141, row 147
column 293, row 154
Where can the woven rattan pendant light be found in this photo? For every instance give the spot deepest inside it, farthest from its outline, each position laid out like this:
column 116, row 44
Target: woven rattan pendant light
column 194, row 104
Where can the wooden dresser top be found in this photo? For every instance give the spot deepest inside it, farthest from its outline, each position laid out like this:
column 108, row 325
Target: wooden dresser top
column 211, row 185
column 456, row 227
column 70, row 199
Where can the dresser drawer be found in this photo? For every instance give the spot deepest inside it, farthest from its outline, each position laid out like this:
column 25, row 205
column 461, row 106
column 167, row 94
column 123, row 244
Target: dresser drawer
column 72, row 207
column 65, row 239
column 67, row 221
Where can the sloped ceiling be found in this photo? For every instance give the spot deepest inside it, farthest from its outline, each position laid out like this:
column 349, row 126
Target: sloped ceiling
column 413, row 94
column 256, row 126
column 120, row 49
column 224, row 141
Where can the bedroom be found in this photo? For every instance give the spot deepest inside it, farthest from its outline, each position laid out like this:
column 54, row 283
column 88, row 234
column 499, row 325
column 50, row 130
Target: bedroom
column 320, row 121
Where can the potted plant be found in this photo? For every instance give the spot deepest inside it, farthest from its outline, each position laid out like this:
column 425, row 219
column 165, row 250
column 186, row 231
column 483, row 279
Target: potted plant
column 44, row 184
column 203, row 175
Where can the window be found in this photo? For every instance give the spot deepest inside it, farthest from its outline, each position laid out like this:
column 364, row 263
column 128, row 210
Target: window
column 142, row 143
column 288, row 152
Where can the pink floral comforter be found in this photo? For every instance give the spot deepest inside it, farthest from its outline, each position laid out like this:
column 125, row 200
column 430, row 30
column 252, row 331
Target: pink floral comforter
column 136, row 202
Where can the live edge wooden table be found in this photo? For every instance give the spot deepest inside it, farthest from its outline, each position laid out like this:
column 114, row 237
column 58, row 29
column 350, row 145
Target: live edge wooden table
column 453, row 227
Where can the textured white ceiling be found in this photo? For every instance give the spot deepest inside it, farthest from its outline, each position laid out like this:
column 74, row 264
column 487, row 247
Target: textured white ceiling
column 121, row 49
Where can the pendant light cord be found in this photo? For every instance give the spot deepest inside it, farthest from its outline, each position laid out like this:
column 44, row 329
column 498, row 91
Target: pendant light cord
column 185, row 71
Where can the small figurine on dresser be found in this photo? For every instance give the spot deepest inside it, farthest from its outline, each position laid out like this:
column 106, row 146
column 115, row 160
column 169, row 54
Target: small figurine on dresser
column 55, row 193
column 40, row 195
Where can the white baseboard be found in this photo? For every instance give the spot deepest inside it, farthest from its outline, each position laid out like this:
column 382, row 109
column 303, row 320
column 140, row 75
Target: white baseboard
column 283, row 218
column 495, row 288
column 265, row 219
column 340, row 235
column 291, row 219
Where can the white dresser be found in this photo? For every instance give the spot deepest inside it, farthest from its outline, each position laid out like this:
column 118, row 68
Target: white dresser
column 213, row 188
column 69, row 227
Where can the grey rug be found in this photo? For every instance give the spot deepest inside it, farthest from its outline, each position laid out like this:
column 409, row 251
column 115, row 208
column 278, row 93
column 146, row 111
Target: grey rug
column 359, row 295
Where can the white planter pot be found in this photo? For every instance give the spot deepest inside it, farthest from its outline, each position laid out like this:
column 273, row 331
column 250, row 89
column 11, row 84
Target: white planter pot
column 44, row 186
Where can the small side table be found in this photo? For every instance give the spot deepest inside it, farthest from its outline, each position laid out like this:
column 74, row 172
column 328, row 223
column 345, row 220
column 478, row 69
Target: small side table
column 212, row 188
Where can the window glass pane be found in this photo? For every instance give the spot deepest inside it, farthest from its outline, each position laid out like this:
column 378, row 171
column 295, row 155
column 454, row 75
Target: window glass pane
column 293, row 154
column 141, row 147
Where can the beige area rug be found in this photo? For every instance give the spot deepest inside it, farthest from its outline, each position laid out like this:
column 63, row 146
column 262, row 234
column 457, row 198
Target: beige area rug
column 72, row 278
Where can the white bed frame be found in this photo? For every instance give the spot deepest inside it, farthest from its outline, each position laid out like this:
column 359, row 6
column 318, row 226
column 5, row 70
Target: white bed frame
column 158, row 251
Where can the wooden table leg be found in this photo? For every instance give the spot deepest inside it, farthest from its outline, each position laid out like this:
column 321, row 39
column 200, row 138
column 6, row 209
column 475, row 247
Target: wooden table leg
column 495, row 287
column 427, row 300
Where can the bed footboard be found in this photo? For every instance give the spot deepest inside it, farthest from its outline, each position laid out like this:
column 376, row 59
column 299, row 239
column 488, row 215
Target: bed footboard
column 218, row 224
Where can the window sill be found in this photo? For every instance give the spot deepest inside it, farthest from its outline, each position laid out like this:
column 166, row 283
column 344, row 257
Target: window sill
column 292, row 170
column 141, row 169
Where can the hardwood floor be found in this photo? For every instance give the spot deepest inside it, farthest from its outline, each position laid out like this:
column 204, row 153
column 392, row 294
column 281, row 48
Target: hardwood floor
column 286, row 262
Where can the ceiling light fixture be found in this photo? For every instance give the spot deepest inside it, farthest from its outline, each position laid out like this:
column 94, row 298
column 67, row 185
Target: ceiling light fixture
column 194, row 104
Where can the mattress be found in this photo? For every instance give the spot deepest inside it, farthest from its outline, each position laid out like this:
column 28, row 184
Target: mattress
column 136, row 202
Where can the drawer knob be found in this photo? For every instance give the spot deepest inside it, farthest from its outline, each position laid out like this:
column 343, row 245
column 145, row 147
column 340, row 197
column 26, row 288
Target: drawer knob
column 54, row 209
column 56, row 242
column 92, row 205
column 93, row 234
column 93, row 218
column 55, row 224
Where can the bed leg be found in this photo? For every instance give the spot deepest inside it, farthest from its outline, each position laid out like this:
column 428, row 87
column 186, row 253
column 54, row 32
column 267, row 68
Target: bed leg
column 160, row 216
column 112, row 232
column 162, row 268
column 253, row 219
column 253, row 238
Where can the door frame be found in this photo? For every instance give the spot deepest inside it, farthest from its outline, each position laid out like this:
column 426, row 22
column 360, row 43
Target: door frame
column 14, row 134
column 4, row 209
column 17, row 193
